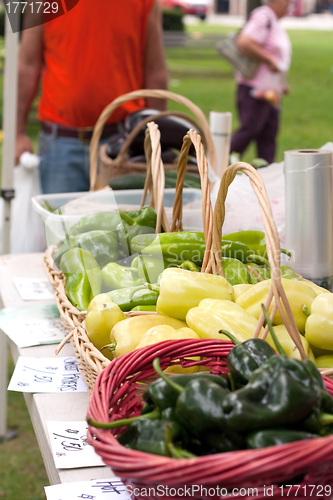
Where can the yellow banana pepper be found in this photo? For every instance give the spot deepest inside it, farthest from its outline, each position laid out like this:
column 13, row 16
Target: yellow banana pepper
column 288, row 344
column 126, row 335
column 319, row 324
column 318, row 289
column 325, row 361
column 180, row 290
column 102, row 315
column 213, row 315
column 166, row 332
column 238, row 289
column 299, row 294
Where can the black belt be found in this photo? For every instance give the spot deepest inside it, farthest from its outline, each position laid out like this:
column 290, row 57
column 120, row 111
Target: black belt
column 84, row 134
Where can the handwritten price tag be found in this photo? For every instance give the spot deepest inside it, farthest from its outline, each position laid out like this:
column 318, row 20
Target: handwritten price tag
column 70, row 446
column 33, row 288
column 33, row 325
column 47, row 375
column 98, row 489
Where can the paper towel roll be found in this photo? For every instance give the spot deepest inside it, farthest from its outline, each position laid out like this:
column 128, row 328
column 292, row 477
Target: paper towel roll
column 309, row 213
column 220, row 127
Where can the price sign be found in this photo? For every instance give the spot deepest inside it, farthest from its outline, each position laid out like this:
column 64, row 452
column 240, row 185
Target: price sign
column 47, row 375
column 34, row 325
column 97, row 489
column 70, row 446
column 33, row 288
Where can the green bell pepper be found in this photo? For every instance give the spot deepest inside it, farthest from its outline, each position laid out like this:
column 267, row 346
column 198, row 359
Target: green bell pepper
column 149, row 267
column 102, row 244
column 83, row 277
column 179, row 246
column 235, row 272
column 102, row 221
column 133, row 223
column 258, row 273
column 116, row 276
column 255, row 240
column 133, row 296
column 144, row 308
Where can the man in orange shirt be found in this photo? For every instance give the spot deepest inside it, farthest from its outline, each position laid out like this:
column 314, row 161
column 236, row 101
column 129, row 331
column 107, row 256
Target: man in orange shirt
column 84, row 59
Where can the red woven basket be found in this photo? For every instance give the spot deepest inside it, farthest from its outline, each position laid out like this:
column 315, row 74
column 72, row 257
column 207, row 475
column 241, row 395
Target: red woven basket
column 302, row 469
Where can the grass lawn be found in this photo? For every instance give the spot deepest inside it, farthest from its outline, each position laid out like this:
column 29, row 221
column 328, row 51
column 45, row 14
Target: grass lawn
column 206, row 79
column 306, row 120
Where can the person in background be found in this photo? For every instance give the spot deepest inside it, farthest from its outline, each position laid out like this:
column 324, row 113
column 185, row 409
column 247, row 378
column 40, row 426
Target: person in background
column 84, row 59
column 264, row 39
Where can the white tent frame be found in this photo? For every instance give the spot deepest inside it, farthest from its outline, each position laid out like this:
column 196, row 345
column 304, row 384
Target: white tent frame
column 7, row 191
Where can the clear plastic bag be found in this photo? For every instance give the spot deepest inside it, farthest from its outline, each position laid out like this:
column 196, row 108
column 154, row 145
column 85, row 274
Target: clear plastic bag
column 27, row 234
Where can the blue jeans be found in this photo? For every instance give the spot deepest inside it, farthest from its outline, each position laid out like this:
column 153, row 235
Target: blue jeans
column 65, row 164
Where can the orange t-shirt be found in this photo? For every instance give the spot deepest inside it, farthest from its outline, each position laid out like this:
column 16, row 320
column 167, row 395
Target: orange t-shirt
column 92, row 55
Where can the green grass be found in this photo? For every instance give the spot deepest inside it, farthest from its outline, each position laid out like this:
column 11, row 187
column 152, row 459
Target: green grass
column 23, row 475
column 205, row 78
column 306, row 118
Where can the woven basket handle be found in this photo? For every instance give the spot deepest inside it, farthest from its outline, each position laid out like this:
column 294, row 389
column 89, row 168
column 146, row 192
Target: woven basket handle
column 155, row 178
column 192, row 137
column 272, row 244
column 139, row 94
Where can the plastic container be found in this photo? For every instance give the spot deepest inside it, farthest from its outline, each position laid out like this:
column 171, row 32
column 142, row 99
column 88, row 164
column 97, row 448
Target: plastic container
column 67, row 208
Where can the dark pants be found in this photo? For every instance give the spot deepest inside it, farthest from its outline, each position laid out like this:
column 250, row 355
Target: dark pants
column 259, row 122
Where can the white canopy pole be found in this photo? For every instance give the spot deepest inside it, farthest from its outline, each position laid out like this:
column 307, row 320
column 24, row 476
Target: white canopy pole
column 7, row 192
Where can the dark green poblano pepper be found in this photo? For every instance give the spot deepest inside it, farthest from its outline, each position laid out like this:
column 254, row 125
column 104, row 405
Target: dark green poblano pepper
column 280, row 392
column 275, row 437
column 152, row 431
column 163, row 395
column 153, row 436
column 199, row 403
column 246, row 357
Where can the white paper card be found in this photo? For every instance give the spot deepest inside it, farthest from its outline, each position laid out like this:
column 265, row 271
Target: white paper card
column 97, row 489
column 33, row 288
column 70, row 447
column 32, row 325
column 47, row 375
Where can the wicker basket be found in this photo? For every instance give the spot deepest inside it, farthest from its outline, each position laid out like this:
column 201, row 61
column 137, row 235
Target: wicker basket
column 154, row 184
column 102, row 171
column 305, row 464
column 90, row 360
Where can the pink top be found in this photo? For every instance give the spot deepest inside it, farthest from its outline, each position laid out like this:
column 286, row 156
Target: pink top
column 265, row 28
